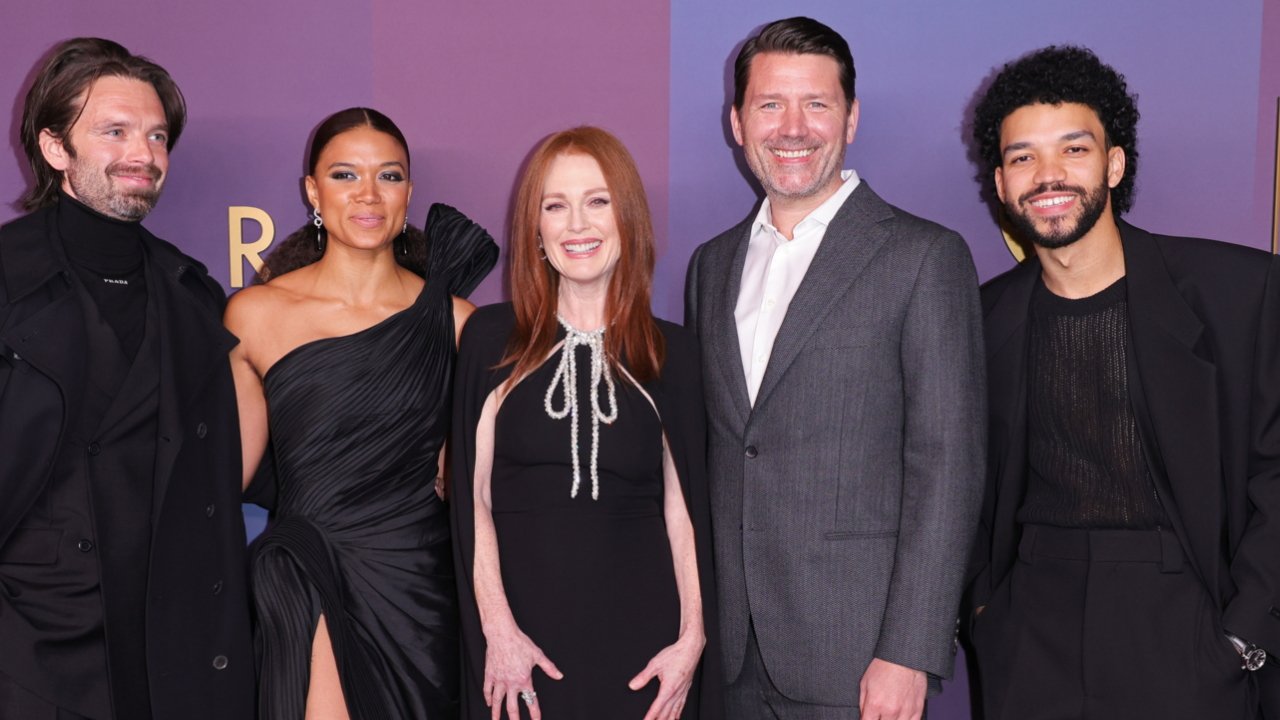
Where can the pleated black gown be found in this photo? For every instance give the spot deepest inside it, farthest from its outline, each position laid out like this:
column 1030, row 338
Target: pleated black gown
column 358, row 532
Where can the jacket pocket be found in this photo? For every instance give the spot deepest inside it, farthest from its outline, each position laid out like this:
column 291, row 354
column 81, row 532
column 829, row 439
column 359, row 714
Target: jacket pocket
column 859, row 535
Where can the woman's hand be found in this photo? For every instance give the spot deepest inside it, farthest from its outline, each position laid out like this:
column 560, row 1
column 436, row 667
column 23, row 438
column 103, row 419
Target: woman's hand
column 673, row 666
column 508, row 671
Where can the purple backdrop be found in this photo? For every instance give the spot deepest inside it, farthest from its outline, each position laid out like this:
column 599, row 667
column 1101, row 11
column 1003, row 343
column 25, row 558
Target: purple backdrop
column 1204, row 160
column 475, row 85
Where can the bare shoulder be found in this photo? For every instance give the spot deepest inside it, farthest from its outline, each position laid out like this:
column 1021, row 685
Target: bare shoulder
column 268, row 319
column 248, row 305
column 258, row 304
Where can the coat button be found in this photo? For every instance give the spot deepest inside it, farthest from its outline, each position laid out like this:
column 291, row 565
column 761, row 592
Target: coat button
column 202, row 430
column 217, row 587
column 752, row 452
column 94, row 448
column 85, row 545
column 208, row 510
column 220, row 662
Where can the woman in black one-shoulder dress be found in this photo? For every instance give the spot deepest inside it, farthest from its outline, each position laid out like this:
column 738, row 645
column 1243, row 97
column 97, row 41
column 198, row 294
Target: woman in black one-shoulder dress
column 345, row 364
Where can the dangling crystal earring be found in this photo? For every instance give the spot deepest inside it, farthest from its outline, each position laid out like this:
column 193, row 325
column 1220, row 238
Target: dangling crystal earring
column 402, row 240
column 320, row 234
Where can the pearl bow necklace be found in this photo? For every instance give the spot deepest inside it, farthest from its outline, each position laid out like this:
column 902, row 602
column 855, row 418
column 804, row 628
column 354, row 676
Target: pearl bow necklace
column 567, row 375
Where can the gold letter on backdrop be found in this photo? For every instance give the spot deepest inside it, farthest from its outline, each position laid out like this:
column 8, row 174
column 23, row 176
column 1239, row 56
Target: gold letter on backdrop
column 240, row 250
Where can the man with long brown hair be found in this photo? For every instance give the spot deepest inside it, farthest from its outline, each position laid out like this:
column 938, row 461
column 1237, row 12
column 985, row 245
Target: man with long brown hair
column 121, row 538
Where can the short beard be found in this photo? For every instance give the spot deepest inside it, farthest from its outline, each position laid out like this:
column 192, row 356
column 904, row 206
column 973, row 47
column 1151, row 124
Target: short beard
column 94, row 189
column 1092, row 204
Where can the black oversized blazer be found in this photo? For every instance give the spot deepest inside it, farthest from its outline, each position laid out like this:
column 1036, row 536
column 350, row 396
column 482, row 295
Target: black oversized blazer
column 1204, row 321
column 198, row 643
column 678, row 397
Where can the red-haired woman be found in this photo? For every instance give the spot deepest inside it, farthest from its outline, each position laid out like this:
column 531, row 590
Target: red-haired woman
column 580, row 512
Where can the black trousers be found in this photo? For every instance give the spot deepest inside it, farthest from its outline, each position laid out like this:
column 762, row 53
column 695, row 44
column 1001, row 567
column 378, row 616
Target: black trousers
column 18, row 704
column 1102, row 624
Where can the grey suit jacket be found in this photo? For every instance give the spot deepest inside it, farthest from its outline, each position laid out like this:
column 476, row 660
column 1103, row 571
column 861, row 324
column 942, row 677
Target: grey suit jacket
column 844, row 502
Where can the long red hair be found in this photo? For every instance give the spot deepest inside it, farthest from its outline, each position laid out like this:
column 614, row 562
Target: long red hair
column 632, row 334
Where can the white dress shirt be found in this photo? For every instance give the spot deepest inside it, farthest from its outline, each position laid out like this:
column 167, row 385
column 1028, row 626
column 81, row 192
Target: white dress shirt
column 773, row 271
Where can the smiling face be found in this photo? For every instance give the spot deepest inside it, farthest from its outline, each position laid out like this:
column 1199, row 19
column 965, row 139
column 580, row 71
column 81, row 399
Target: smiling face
column 114, row 158
column 793, row 126
column 577, row 224
column 361, row 187
column 1056, row 172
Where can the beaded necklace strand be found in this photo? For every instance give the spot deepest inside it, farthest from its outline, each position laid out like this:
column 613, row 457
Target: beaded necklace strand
column 567, row 375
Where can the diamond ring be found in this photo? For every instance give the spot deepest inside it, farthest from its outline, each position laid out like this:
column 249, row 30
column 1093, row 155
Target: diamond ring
column 529, row 696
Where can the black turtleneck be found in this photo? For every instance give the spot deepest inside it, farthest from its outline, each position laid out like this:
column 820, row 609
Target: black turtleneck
column 107, row 256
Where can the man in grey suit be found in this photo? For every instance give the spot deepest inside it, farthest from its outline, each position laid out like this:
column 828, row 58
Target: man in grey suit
column 842, row 359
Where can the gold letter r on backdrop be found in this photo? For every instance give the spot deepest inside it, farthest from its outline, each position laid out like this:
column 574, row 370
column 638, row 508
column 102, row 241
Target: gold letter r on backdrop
column 240, row 250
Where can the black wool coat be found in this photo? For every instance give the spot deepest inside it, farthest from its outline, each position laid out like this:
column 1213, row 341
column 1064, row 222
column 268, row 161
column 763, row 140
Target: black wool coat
column 198, row 645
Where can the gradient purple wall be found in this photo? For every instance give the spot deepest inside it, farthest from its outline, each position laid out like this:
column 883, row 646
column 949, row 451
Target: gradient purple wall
column 1195, row 68
column 476, row 86
column 1268, row 156
column 473, row 85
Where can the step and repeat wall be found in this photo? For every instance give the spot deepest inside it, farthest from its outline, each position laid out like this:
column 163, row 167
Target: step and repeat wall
column 476, row 84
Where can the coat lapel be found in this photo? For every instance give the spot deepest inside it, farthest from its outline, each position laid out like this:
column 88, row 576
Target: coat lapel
column 52, row 339
column 850, row 242
column 1180, row 387
column 42, row 325
column 193, row 347
column 1006, row 324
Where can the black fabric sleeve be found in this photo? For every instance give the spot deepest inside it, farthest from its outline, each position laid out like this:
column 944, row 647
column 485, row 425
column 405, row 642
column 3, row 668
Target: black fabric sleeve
column 460, row 252
column 481, row 348
column 678, row 394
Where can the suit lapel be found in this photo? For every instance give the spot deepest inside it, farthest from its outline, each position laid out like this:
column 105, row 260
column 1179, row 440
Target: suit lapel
column 723, row 341
column 1181, row 391
column 852, row 239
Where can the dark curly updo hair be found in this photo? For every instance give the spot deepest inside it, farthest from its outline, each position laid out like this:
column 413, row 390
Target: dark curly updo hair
column 304, row 246
column 1053, row 76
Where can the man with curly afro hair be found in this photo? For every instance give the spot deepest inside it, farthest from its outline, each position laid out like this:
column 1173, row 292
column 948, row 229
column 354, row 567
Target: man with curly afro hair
column 1128, row 558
